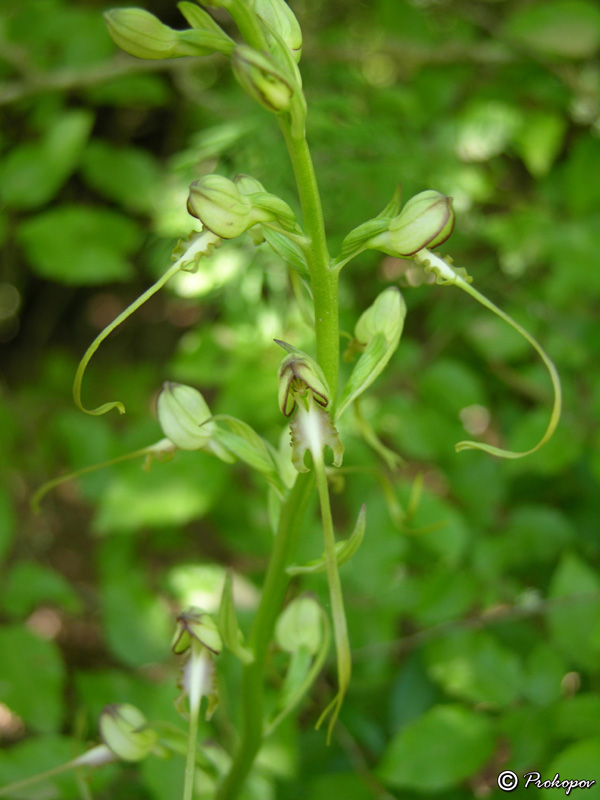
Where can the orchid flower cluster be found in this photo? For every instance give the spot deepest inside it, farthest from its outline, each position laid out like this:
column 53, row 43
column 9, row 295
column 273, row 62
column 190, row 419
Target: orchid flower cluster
column 265, row 63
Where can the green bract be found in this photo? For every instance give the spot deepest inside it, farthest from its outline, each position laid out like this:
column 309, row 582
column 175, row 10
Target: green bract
column 279, row 18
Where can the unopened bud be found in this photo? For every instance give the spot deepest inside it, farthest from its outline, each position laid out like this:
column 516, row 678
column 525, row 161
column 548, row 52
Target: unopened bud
column 220, row 206
column 426, row 220
column 182, row 414
column 194, row 625
column 279, row 18
column 124, row 730
column 262, row 79
column 299, row 373
column 229, row 208
column 140, row 33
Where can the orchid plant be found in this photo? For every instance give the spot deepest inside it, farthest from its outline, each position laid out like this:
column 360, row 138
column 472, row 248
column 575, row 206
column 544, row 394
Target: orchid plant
column 265, row 61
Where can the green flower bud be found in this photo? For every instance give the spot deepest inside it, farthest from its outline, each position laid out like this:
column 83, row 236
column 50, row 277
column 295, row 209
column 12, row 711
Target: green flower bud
column 181, row 413
column 143, row 35
column 123, row 730
column 299, row 373
column 262, row 79
column 140, row 33
column 195, row 627
column 229, row 208
column 426, row 220
column 220, row 206
column 279, row 18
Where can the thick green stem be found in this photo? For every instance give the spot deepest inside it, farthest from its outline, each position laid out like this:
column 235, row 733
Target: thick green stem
column 273, row 594
column 324, row 281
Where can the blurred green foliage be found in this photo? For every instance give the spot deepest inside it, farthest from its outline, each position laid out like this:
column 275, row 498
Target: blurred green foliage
column 474, row 613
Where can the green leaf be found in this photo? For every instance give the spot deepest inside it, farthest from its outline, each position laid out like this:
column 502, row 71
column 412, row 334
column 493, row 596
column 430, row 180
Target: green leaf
column 568, row 28
column 438, row 750
column 80, row 246
column 575, row 624
column 540, row 140
column 137, row 624
column 33, row 172
column 545, row 670
column 344, row 550
column 582, row 196
column 30, row 584
column 228, row 624
column 8, row 523
column 338, row 784
column 577, row 716
column 485, row 129
column 473, row 666
column 26, row 658
column 128, row 175
column 536, row 535
column 39, row 754
column 170, row 494
column 579, row 762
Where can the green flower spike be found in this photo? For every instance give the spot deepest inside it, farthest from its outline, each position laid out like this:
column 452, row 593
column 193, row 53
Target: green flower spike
column 447, row 274
column 198, row 637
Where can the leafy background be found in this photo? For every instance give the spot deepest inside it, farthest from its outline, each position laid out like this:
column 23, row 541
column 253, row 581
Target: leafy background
column 475, row 613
